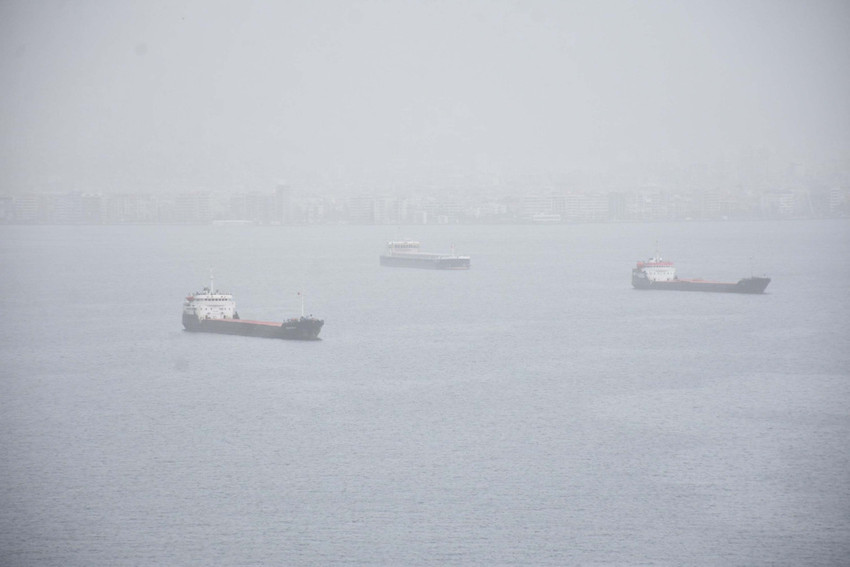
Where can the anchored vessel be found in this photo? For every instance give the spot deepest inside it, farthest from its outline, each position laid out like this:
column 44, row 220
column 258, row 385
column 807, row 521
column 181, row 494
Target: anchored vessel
column 657, row 273
column 406, row 254
column 212, row 311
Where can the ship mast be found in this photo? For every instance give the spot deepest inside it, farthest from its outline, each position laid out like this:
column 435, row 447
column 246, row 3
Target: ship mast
column 212, row 282
column 301, row 295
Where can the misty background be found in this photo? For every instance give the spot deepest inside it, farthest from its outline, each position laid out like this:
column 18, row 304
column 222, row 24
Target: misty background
column 347, row 96
column 533, row 410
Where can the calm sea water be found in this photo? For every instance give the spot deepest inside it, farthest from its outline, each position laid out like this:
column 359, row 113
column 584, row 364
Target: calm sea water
column 535, row 410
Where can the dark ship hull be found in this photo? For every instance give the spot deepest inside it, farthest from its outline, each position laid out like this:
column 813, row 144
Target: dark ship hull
column 303, row 329
column 426, row 261
column 746, row 285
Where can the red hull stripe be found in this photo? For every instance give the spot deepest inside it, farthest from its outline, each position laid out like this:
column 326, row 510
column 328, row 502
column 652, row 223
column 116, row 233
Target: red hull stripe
column 245, row 322
column 701, row 281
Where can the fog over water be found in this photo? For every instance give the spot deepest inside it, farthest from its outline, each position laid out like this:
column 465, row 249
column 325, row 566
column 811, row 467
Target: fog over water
column 532, row 410
column 128, row 96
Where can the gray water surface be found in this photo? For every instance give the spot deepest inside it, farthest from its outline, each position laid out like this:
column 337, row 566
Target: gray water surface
column 535, row 410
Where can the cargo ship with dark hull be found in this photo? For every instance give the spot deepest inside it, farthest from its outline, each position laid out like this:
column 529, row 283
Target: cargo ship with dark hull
column 212, row 311
column 406, row 254
column 657, row 273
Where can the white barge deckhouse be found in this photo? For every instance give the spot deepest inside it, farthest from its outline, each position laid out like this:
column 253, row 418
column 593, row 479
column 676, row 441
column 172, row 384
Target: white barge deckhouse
column 406, row 254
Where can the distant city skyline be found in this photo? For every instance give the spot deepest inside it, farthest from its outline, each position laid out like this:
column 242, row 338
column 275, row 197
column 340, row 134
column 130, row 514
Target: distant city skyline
column 286, row 207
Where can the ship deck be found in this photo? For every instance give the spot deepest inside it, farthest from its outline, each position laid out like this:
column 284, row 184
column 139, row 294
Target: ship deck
column 424, row 256
column 697, row 280
column 248, row 322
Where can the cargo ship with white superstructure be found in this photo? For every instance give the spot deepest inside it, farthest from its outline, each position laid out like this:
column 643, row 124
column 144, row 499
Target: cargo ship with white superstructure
column 657, row 273
column 213, row 311
column 406, row 254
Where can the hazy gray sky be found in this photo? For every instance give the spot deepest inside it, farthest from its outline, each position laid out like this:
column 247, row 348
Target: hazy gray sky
column 219, row 95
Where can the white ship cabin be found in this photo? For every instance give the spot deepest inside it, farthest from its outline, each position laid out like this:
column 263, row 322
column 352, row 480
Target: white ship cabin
column 208, row 304
column 403, row 247
column 658, row 269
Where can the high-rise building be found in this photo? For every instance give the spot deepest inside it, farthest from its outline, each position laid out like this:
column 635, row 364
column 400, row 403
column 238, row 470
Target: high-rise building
column 283, row 204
